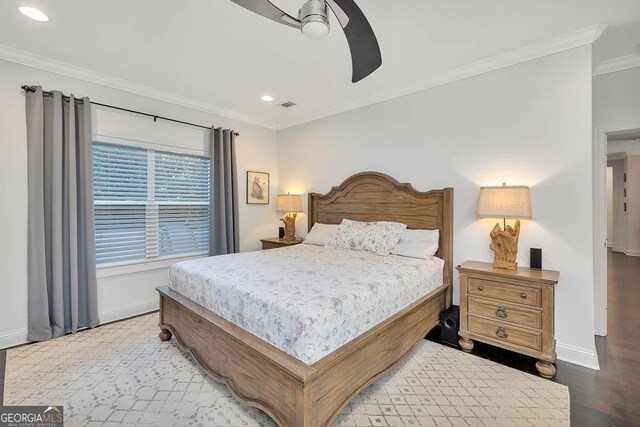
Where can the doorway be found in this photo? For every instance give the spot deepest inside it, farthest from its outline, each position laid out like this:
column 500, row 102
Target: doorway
column 617, row 261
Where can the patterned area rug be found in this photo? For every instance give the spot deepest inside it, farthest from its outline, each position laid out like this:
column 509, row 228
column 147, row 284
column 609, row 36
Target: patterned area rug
column 123, row 374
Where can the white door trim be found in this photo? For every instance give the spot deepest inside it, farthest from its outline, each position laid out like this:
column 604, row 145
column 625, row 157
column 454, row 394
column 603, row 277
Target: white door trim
column 600, row 220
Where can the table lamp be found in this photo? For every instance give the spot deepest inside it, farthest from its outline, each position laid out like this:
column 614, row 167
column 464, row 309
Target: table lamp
column 505, row 202
column 291, row 204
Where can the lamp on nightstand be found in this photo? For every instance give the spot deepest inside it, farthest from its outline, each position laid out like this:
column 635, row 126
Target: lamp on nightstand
column 291, row 204
column 505, row 202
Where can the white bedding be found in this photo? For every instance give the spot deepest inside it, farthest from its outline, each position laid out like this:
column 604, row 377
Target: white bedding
column 306, row 300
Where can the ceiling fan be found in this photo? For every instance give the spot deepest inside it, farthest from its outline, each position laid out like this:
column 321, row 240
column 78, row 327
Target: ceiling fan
column 313, row 21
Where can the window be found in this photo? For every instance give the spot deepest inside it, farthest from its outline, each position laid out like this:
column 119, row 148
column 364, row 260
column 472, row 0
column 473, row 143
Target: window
column 149, row 204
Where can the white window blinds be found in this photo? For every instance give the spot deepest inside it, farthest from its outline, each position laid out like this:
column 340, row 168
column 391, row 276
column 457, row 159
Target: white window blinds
column 149, row 204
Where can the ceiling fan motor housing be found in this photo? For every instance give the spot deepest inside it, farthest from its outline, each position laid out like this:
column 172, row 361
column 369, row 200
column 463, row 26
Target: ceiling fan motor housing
column 314, row 19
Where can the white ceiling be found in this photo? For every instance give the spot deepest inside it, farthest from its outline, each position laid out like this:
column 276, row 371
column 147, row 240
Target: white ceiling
column 216, row 52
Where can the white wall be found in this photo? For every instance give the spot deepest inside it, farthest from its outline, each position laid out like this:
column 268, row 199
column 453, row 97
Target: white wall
column 610, row 206
column 633, row 205
column 528, row 124
column 123, row 295
column 616, row 98
column 628, row 147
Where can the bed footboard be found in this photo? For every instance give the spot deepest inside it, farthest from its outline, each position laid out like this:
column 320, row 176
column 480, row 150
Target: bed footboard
column 290, row 391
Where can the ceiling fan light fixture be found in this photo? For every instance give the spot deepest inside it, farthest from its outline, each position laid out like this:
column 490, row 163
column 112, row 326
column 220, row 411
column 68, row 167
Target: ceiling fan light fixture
column 314, row 19
column 315, row 29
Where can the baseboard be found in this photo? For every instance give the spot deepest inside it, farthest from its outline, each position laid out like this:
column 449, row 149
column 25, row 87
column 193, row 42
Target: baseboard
column 577, row 356
column 19, row 337
column 12, row 339
column 609, row 245
column 129, row 310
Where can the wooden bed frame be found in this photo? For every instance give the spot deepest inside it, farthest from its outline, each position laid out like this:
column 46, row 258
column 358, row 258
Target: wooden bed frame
column 290, row 391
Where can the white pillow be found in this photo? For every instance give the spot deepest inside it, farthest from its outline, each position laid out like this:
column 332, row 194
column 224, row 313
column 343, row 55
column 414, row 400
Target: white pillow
column 417, row 244
column 375, row 237
column 320, row 234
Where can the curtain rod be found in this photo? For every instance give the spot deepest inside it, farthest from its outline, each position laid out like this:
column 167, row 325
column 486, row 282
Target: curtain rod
column 32, row 89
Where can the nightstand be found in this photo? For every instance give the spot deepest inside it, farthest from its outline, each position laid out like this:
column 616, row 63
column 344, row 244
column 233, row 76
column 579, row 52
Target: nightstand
column 511, row 309
column 275, row 242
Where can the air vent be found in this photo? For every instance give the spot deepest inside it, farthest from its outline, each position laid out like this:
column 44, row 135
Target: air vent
column 288, row 104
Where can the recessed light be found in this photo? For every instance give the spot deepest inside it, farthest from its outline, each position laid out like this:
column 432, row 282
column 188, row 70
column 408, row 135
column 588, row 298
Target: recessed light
column 34, row 13
column 267, row 98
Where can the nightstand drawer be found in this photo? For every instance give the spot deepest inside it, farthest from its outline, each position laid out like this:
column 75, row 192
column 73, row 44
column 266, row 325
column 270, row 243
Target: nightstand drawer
column 505, row 313
column 505, row 292
column 505, row 333
column 274, row 243
column 269, row 245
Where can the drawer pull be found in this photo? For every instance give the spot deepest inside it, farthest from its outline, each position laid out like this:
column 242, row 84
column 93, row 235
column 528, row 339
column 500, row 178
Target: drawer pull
column 523, row 295
column 481, row 288
column 501, row 313
column 500, row 333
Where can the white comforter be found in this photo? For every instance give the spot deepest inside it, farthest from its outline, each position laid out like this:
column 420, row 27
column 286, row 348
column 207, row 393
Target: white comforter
column 306, row 300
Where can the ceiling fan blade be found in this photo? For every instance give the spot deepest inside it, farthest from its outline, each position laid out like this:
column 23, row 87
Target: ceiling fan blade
column 269, row 10
column 340, row 14
column 365, row 50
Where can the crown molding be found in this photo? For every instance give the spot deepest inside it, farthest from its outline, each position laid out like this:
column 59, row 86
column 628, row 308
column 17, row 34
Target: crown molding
column 44, row 63
column 548, row 47
column 558, row 44
column 618, row 64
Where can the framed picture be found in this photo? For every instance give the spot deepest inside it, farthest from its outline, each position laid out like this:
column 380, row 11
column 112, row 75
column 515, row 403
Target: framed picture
column 257, row 188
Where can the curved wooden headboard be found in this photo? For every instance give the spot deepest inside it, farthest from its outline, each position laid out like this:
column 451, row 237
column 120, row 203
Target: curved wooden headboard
column 374, row 196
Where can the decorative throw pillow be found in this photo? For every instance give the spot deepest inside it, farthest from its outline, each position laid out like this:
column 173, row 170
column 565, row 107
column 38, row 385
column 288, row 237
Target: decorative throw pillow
column 320, row 234
column 417, row 244
column 375, row 237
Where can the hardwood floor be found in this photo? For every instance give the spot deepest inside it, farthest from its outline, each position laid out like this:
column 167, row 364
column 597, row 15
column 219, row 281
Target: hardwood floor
column 609, row 397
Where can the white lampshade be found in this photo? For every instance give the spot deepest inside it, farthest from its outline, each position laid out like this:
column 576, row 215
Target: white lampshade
column 289, row 203
column 504, row 202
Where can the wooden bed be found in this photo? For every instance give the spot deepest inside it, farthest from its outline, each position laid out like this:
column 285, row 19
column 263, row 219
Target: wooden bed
column 290, row 391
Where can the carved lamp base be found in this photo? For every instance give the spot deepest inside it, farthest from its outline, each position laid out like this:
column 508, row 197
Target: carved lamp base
column 505, row 264
column 289, row 227
column 504, row 243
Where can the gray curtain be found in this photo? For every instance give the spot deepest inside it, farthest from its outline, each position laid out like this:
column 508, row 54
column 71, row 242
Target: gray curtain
column 223, row 223
column 62, row 294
